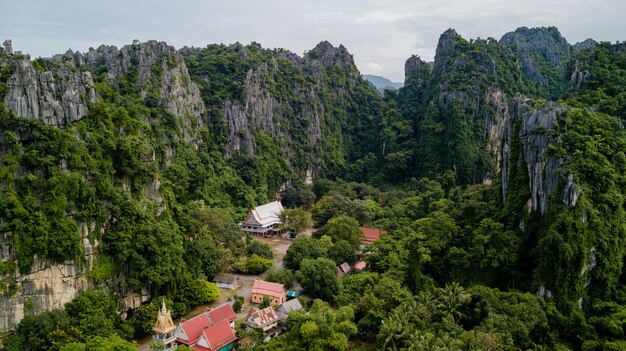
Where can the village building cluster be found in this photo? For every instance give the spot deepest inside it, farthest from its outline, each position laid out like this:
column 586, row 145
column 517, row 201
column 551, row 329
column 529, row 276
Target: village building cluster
column 214, row 329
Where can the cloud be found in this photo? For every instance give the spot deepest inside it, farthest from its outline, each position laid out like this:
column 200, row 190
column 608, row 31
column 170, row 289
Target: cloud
column 372, row 67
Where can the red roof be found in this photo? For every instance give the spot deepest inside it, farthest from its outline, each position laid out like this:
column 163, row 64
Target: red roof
column 371, row 234
column 219, row 335
column 266, row 288
column 360, row 265
column 223, row 312
column 193, row 327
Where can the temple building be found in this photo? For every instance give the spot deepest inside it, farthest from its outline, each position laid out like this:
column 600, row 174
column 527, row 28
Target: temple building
column 165, row 330
column 263, row 219
column 213, row 330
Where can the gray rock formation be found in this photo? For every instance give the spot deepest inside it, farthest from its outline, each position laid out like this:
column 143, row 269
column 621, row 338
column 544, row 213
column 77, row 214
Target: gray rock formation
column 61, row 96
column 8, row 47
column 536, row 133
column 538, row 48
column 57, row 98
column 262, row 111
column 445, row 48
column 416, row 71
column 588, row 44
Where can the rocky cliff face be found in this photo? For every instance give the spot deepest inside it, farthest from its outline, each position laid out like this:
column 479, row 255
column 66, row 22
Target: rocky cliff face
column 282, row 97
column 57, row 97
column 537, row 126
column 543, row 54
column 60, row 94
column 47, row 286
column 158, row 66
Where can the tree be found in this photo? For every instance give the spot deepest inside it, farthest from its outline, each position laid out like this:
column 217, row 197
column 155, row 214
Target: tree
column 98, row 343
column 280, row 275
column 299, row 195
column 260, row 248
column 267, row 302
column 32, row 331
column 295, row 220
column 319, row 278
column 231, row 235
column 94, row 312
column 254, row 264
column 323, row 328
column 302, row 248
column 342, row 251
column 201, row 255
column 238, row 303
column 342, row 228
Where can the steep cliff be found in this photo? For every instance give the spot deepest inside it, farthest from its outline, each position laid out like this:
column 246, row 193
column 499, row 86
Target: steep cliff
column 302, row 103
column 57, row 97
column 544, row 56
column 60, row 89
column 470, row 117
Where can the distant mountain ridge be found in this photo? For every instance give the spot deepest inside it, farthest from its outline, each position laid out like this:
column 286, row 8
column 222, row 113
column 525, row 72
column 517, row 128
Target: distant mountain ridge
column 382, row 83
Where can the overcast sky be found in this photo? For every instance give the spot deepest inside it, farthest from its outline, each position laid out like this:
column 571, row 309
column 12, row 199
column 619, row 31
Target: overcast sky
column 380, row 34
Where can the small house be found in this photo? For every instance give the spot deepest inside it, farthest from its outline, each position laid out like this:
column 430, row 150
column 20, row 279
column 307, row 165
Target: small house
column 263, row 219
column 283, row 310
column 273, row 291
column 264, row 319
column 343, row 269
column 212, row 330
column 370, row 235
column 225, row 281
column 359, row 266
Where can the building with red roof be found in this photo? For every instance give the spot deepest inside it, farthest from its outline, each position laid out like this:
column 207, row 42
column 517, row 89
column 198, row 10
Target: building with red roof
column 371, row 234
column 212, row 330
column 273, row 291
column 223, row 312
column 359, row 266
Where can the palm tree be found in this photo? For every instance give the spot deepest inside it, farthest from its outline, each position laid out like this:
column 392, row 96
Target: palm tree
column 452, row 297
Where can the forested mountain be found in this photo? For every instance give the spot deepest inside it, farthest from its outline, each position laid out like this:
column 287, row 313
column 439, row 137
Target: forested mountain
column 382, row 83
column 499, row 166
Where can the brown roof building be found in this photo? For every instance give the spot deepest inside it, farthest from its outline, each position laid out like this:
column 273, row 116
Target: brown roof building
column 371, row 234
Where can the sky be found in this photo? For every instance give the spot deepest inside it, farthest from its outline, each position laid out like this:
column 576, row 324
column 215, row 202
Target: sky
column 381, row 35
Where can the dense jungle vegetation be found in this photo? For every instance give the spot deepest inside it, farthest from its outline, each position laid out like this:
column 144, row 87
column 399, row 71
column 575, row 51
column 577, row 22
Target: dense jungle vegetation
column 466, row 264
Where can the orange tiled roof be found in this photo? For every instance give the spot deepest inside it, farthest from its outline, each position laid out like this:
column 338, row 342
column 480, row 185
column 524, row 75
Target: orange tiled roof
column 266, row 288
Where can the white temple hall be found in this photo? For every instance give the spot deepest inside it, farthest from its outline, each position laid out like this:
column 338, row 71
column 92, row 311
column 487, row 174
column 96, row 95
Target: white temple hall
column 263, row 220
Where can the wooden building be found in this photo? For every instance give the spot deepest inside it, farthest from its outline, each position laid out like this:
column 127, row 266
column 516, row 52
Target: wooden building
column 283, row 310
column 273, row 291
column 264, row 319
column 263, row 220
column 225, row 281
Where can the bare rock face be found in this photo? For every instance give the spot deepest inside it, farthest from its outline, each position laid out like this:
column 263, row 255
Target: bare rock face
column 535, row 135
column 8, row 47
column 48, row 286
column 416, row 71
column 57, row 98
column 537, row 47
column 61, row 96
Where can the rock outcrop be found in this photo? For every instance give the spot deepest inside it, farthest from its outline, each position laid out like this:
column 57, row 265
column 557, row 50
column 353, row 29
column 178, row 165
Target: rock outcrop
column 416, row 72
column 57, row 97
column 544, row 55
column 62, row 94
